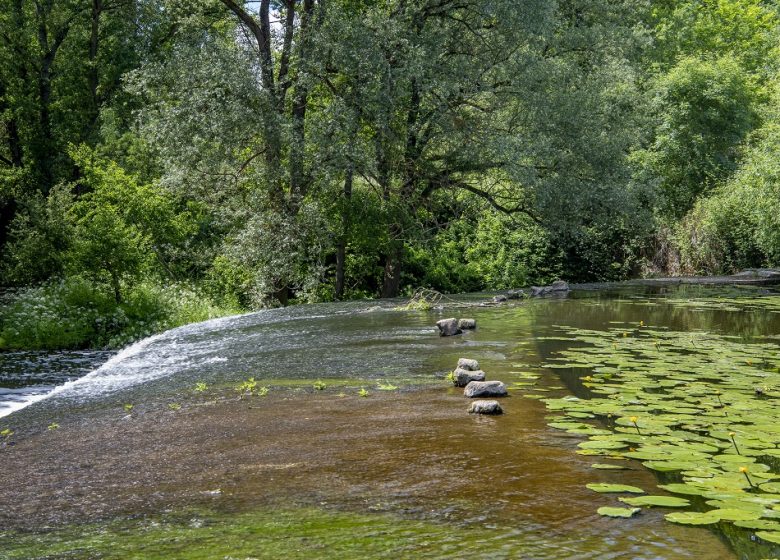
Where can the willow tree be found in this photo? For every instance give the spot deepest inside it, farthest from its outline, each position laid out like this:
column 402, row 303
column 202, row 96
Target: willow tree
column 465, row 96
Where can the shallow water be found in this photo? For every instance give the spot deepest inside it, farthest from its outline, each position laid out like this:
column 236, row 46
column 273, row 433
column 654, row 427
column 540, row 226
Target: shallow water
column 412, row 454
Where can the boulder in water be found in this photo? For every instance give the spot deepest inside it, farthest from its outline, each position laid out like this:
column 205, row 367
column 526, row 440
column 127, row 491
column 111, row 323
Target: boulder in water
column 464, row 376
column 477, row 389
column 467, row 324
column 448, row 327
column 501, row 298
column 469, row 364
column 515, row 294
column 557, row 287
column 485, row 407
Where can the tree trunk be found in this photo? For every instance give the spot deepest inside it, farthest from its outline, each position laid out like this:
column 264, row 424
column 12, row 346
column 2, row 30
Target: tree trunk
column 391, row 285
column 341, row 249
column 93, row 78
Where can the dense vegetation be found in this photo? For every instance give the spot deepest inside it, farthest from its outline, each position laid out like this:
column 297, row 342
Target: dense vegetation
column 247, row 153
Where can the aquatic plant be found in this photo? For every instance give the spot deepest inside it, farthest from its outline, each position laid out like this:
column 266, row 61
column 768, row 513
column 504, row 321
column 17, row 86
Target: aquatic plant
column 319, row 385
column 618, row 511
column 363, row 392
column 719, row 455
column 247, row 388
column 128, row 407
column 451, row 377
column 174, row 406
column 386, row 387
column 423, row 299
column 6, row 433
column 200, row 387
column 53, row 426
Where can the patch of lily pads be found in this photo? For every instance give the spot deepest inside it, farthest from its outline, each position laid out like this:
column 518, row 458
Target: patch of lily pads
column 700, row 409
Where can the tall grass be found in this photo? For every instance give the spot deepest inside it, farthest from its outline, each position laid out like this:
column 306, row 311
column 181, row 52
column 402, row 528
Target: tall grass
column 76, row 313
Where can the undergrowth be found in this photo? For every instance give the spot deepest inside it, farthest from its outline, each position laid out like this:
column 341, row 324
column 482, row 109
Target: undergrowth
column 76, row 313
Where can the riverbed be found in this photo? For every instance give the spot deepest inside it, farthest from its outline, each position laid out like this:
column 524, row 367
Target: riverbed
column 354, row 443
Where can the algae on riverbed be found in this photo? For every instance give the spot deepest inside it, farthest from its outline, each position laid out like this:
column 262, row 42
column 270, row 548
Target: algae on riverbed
column 289, row 533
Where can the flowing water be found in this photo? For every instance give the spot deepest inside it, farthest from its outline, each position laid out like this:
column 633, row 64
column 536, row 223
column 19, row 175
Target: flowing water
column 131, row 453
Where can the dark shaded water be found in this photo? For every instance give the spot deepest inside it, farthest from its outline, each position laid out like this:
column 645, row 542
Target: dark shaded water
column 412, row 452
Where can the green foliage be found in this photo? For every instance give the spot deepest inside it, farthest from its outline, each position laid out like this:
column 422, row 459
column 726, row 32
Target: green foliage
column 319, row 386
column 705, row 108
column 200, row 387
column 76, row 313
column 249, row 388
column 743, row 29
column 737, row 227
column 120, row 226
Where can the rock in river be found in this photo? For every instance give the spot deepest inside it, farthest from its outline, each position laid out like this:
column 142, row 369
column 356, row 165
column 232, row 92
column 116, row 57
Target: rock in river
column 485, row 407
column 448, row 327
column 485, row 389
column 557, row 287
column 464, row 376
column 466, row 363
column 467, row 324
column 499, row 298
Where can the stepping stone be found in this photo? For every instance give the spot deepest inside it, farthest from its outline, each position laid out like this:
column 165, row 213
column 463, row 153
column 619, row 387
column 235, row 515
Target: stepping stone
column 485, row 407
column 448, row 327
column 485, row 389
column 464, row 376
column 468, row 364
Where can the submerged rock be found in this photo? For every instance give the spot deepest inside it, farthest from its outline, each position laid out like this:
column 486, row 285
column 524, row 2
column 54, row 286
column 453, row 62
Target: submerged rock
column 448, row 327
column 485, row 389
column 485, row 407
column 464, row 376
column 469, row 364
column 557, row 287
column 467, row 324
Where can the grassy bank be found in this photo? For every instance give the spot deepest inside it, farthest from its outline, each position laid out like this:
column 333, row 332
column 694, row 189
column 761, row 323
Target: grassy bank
column 75, row 313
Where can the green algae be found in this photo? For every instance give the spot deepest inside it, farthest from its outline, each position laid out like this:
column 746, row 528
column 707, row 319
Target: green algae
column 301, row 533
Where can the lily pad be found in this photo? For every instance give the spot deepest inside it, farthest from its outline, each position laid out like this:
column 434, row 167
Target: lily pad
column 618, row 511
column 692, row 518
column 614, row 488
column 769, row 536
column 659, row 501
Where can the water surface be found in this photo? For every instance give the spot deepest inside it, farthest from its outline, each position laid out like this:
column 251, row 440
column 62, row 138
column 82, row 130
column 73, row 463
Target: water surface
column 511, row 485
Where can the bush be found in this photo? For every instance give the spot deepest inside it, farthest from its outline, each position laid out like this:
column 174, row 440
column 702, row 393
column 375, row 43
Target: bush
column 76, row 313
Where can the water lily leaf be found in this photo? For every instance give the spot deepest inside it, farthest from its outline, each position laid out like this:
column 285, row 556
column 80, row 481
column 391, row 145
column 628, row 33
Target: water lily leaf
column 759, row 524
column 773, row 487
column 618, row 511
column 608, row 466
column 606, row 444
column 659, row 501
column 687, row 489
column 692, row 518
column 769, row 536
column 606, row 488
column 736, row 514
column 669, row 466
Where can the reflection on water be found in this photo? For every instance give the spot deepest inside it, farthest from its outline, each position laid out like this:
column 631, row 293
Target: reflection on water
column 413, row 452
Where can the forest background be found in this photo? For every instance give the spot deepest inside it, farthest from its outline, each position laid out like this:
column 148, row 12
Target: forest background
column 166, row 161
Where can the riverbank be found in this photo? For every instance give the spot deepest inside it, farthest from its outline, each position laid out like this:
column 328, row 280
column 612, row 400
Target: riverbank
column 78, row 314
